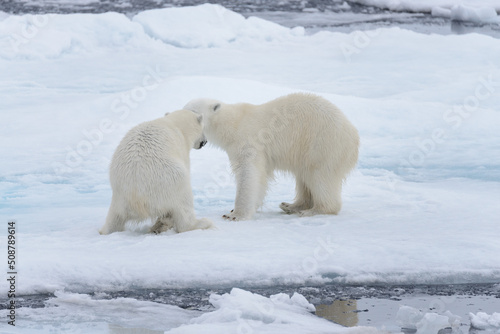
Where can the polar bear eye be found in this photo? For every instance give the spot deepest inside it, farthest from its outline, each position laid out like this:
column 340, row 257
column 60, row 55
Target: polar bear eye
column 217, row 106
column 200, row 118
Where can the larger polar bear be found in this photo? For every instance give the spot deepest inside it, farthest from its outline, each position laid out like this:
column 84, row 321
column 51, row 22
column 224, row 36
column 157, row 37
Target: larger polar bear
column 150, row 174
column 299, row 133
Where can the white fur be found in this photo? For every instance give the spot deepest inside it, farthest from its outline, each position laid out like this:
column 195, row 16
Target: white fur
column 303, row 134
column 150, row 175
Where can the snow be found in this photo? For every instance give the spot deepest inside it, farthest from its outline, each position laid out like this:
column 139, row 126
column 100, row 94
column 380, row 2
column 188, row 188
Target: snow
column 422, row 206
column 484, row 11
column 484, row 321
column 478, row 15
column 426, row 323
column 427, row 5
column 215, row 26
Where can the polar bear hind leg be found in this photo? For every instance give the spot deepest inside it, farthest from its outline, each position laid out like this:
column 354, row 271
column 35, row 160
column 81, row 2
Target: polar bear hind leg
column 185, row 220
column 326, row 195
column 303, row 198
column 183, row 215
column 163, row 224
column 116, row 218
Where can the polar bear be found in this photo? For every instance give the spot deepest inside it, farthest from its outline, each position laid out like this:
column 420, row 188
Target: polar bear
column 302, row 134
column 150, row 175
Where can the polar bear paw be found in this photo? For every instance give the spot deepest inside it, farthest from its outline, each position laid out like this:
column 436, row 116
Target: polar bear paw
column 234, row 216
column 293, row 208
column 288, row 208
column 162, row 225
column 205, row 223
column 307, row 213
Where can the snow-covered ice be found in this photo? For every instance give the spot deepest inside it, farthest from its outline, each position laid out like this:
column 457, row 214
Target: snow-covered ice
column 427, row 5
column 468, row 14
column 422, row 206
column 484, row 11
column 243, row 312
column 428, row 322
column 215, row 26
column 239, row 311
column 485, row 321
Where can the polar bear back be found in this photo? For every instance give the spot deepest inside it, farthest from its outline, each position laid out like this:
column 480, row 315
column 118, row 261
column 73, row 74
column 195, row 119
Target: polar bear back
column 296, row 132
column 305, row 127
column 151, row 161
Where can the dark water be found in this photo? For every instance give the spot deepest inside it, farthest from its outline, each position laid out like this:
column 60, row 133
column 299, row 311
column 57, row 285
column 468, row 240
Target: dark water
column 130, row 6
column 197, row 298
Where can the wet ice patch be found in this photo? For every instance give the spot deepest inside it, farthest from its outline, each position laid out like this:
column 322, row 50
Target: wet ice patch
column 80, row 313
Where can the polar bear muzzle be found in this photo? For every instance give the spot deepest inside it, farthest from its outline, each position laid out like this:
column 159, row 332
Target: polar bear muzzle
column 200, row 143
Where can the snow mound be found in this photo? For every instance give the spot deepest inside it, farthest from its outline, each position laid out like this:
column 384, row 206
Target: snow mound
column 485, row 321
column 247, row 312
column 51, row 36
column 467, row 14
column 426, row 323
column 208, row 26
column 477, row 15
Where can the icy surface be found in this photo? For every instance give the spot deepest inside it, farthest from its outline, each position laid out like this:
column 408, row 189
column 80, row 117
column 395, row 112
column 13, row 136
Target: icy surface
column 239, row 311
column 81, row 313
column 243, row 312
column 427, row 5
column 485, row 321
column 478, row 15
column 428, row 322
column 422, row 206
column 484, row 11
column 208, row 26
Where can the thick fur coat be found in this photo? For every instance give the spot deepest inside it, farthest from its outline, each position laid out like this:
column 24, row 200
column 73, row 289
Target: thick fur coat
column 302, row 134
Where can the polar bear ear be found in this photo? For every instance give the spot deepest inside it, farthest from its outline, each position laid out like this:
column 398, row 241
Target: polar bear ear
column 216, row 107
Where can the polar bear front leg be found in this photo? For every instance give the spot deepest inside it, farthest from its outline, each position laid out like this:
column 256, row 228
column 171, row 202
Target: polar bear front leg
column 251, row 185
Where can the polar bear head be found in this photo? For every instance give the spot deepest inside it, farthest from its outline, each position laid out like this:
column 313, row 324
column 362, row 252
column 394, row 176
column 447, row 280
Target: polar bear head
column 191, row 124
column 214, row 120
column 203, row 106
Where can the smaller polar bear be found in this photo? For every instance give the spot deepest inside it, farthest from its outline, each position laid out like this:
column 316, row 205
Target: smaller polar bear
column 150, row 175
column 302, row 134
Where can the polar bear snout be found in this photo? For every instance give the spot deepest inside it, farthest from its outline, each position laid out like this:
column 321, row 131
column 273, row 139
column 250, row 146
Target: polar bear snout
column 202, row 143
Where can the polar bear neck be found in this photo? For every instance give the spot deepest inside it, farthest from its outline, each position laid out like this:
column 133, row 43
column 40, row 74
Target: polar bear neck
column 190, row 129
column 224, row 128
